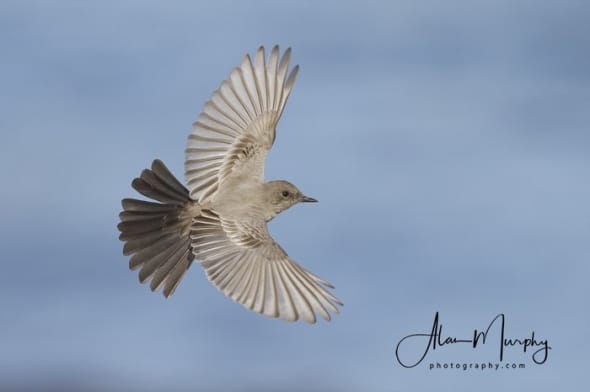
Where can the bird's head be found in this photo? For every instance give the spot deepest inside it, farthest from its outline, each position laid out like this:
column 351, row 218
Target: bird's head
column 282, row 195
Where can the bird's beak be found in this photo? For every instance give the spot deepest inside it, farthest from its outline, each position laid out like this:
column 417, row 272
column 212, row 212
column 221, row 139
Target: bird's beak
column 307, row 199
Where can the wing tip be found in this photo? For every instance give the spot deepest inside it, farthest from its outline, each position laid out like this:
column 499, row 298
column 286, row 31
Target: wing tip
column 291, row 78
column 260, row 49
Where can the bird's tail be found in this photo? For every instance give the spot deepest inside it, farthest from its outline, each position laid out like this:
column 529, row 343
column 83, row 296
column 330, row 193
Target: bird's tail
column 157, row 234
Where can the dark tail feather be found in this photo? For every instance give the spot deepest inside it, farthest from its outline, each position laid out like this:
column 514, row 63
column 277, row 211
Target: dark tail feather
column 156, row 234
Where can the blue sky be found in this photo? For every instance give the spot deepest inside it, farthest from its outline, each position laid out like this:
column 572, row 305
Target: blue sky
column 447, row 143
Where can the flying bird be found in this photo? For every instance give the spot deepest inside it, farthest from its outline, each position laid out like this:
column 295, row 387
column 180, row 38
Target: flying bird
column 220, row 217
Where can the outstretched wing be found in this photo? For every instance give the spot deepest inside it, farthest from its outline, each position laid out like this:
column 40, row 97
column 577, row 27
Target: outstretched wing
column 236, row 128
column 245, row 263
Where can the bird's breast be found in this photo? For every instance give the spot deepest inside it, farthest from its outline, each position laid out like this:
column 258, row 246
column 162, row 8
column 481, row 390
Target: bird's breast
column 239, row 198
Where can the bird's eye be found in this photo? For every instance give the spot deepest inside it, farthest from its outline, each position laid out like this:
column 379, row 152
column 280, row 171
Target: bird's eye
column 285, row 193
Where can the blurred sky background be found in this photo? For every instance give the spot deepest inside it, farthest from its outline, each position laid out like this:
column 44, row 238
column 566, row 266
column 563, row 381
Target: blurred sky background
column 448, row 144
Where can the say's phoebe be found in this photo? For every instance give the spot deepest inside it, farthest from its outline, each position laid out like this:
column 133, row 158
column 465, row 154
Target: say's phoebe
column 221, row 218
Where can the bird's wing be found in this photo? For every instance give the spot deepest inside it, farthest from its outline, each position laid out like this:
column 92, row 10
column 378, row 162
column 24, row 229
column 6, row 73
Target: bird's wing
column 245, row 263
column 236, row 128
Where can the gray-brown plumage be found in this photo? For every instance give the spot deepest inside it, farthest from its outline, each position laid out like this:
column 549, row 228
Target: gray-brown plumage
column 221, row 218
column 157, row 234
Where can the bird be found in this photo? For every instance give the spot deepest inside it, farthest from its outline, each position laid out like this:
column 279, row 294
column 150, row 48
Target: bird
column 220, row 218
